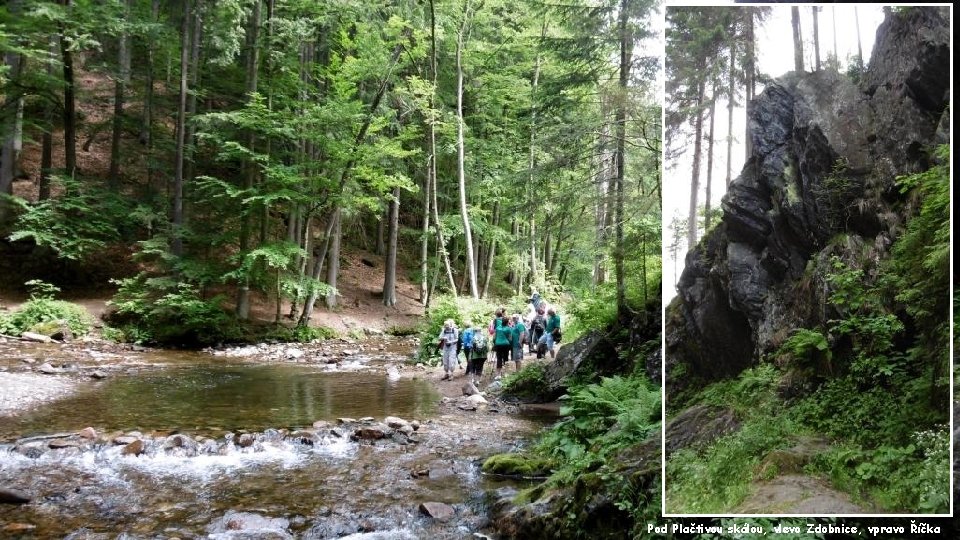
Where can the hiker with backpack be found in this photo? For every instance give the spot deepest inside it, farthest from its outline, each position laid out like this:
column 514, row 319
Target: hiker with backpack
column 551, row 333
column 448, row 340
column 519, row 338
column 502, row 342
column 537, row 326
column 477, row 355
column 466, row 343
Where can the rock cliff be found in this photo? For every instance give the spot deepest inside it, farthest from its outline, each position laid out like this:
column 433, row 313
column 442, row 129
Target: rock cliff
column 822, row 181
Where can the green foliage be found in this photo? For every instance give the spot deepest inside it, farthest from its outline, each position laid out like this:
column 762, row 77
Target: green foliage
column 752, row 392
column 520, row 465
column 915, row 477
column 528, row 382
column 600, row 419
column 83, row 219
column 40, row 310
column 401, row 331
column 921, row 266
column 162, row 311
column 299, row 334
column 717, row 479
column 591, row 310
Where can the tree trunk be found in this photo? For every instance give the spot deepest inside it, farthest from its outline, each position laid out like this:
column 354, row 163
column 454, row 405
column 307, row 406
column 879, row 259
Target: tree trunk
column 7, row 152
column 177, row 221
column 471, row 269
column 833, row 18
column 190, row 165
column 695, row 177
column 492, row 251
column 390, row 272
column 856, row 19
column 750, row 82
column 425, row 238
column 320, row 257
column 706, row 201
column 250, row 176
column 69, row 103
column 797, row 40
column 730, row 97
column 531, row 195
column 333, row 269
column 816, row 38
column 626, row 46
column 119, row 92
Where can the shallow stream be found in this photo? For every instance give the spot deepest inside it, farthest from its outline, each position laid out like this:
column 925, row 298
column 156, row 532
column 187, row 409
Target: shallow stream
column 275, row 482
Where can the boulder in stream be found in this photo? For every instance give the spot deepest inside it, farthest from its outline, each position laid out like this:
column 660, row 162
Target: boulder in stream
column 370, row 433
column 10, row 496
column 395, row 423
column 47, row 369
column 87, row 433
column 133, row 448
column 247, row 525
column 33, row 336
column 437, row 510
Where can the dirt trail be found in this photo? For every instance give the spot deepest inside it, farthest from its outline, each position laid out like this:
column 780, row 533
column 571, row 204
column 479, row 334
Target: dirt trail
column 798, row 494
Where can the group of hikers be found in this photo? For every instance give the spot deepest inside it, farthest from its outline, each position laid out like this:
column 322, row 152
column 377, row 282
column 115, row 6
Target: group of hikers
column 539, row 331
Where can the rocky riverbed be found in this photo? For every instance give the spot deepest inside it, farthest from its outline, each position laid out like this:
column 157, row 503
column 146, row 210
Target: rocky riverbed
column 268, row 455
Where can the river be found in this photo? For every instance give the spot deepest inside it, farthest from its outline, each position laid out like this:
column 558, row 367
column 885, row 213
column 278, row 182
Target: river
column 253, row 445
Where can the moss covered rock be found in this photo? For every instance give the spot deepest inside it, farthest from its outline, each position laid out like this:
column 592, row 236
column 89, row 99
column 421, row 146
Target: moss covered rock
column 519, row 465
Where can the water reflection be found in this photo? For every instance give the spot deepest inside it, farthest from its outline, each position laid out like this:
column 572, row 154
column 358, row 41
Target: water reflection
column 225, row 397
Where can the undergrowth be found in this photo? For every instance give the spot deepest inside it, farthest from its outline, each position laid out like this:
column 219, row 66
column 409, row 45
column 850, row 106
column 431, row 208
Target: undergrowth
column 43, row 308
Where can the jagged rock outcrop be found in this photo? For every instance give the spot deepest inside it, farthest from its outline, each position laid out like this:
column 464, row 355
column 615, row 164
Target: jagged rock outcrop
column 821, row 180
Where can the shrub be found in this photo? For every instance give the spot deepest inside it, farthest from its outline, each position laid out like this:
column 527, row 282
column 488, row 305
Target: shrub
column 527, row 383
column 298, row 334
column 718, row 478
column 42, row 308
column 162, row 311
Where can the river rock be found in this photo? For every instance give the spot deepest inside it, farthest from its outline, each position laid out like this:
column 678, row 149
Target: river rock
column 321, row 424
column 180, row 443
column 346, row 420
column 406, row 430
column 63, row 443
column 466, row 406
column 133, row 448
column 123, row 439
column 415, row 425
column 99, row 375
column 477, row 399
column 370, row 433
column 304, row 437
column 367, row 419
column 245, row 440
column 395, row 423
column 247, row 525
column 10, row 496
column 32, row 450
column 469, row 389
column 87, row 433
column 38, row 338
column 440, row 473
column 48, row 369
column 437, row 510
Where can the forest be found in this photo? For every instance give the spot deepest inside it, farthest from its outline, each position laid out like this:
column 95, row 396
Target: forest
column 215, row 151
column 231, row 231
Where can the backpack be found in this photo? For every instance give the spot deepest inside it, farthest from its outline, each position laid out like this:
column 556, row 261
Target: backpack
column 479, row 342
column 557, row 335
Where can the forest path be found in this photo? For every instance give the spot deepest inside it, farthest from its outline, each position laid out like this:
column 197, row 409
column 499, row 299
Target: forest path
column 798, row 494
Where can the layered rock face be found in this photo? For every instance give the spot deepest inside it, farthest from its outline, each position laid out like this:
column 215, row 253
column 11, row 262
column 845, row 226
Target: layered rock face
column 821, row 181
